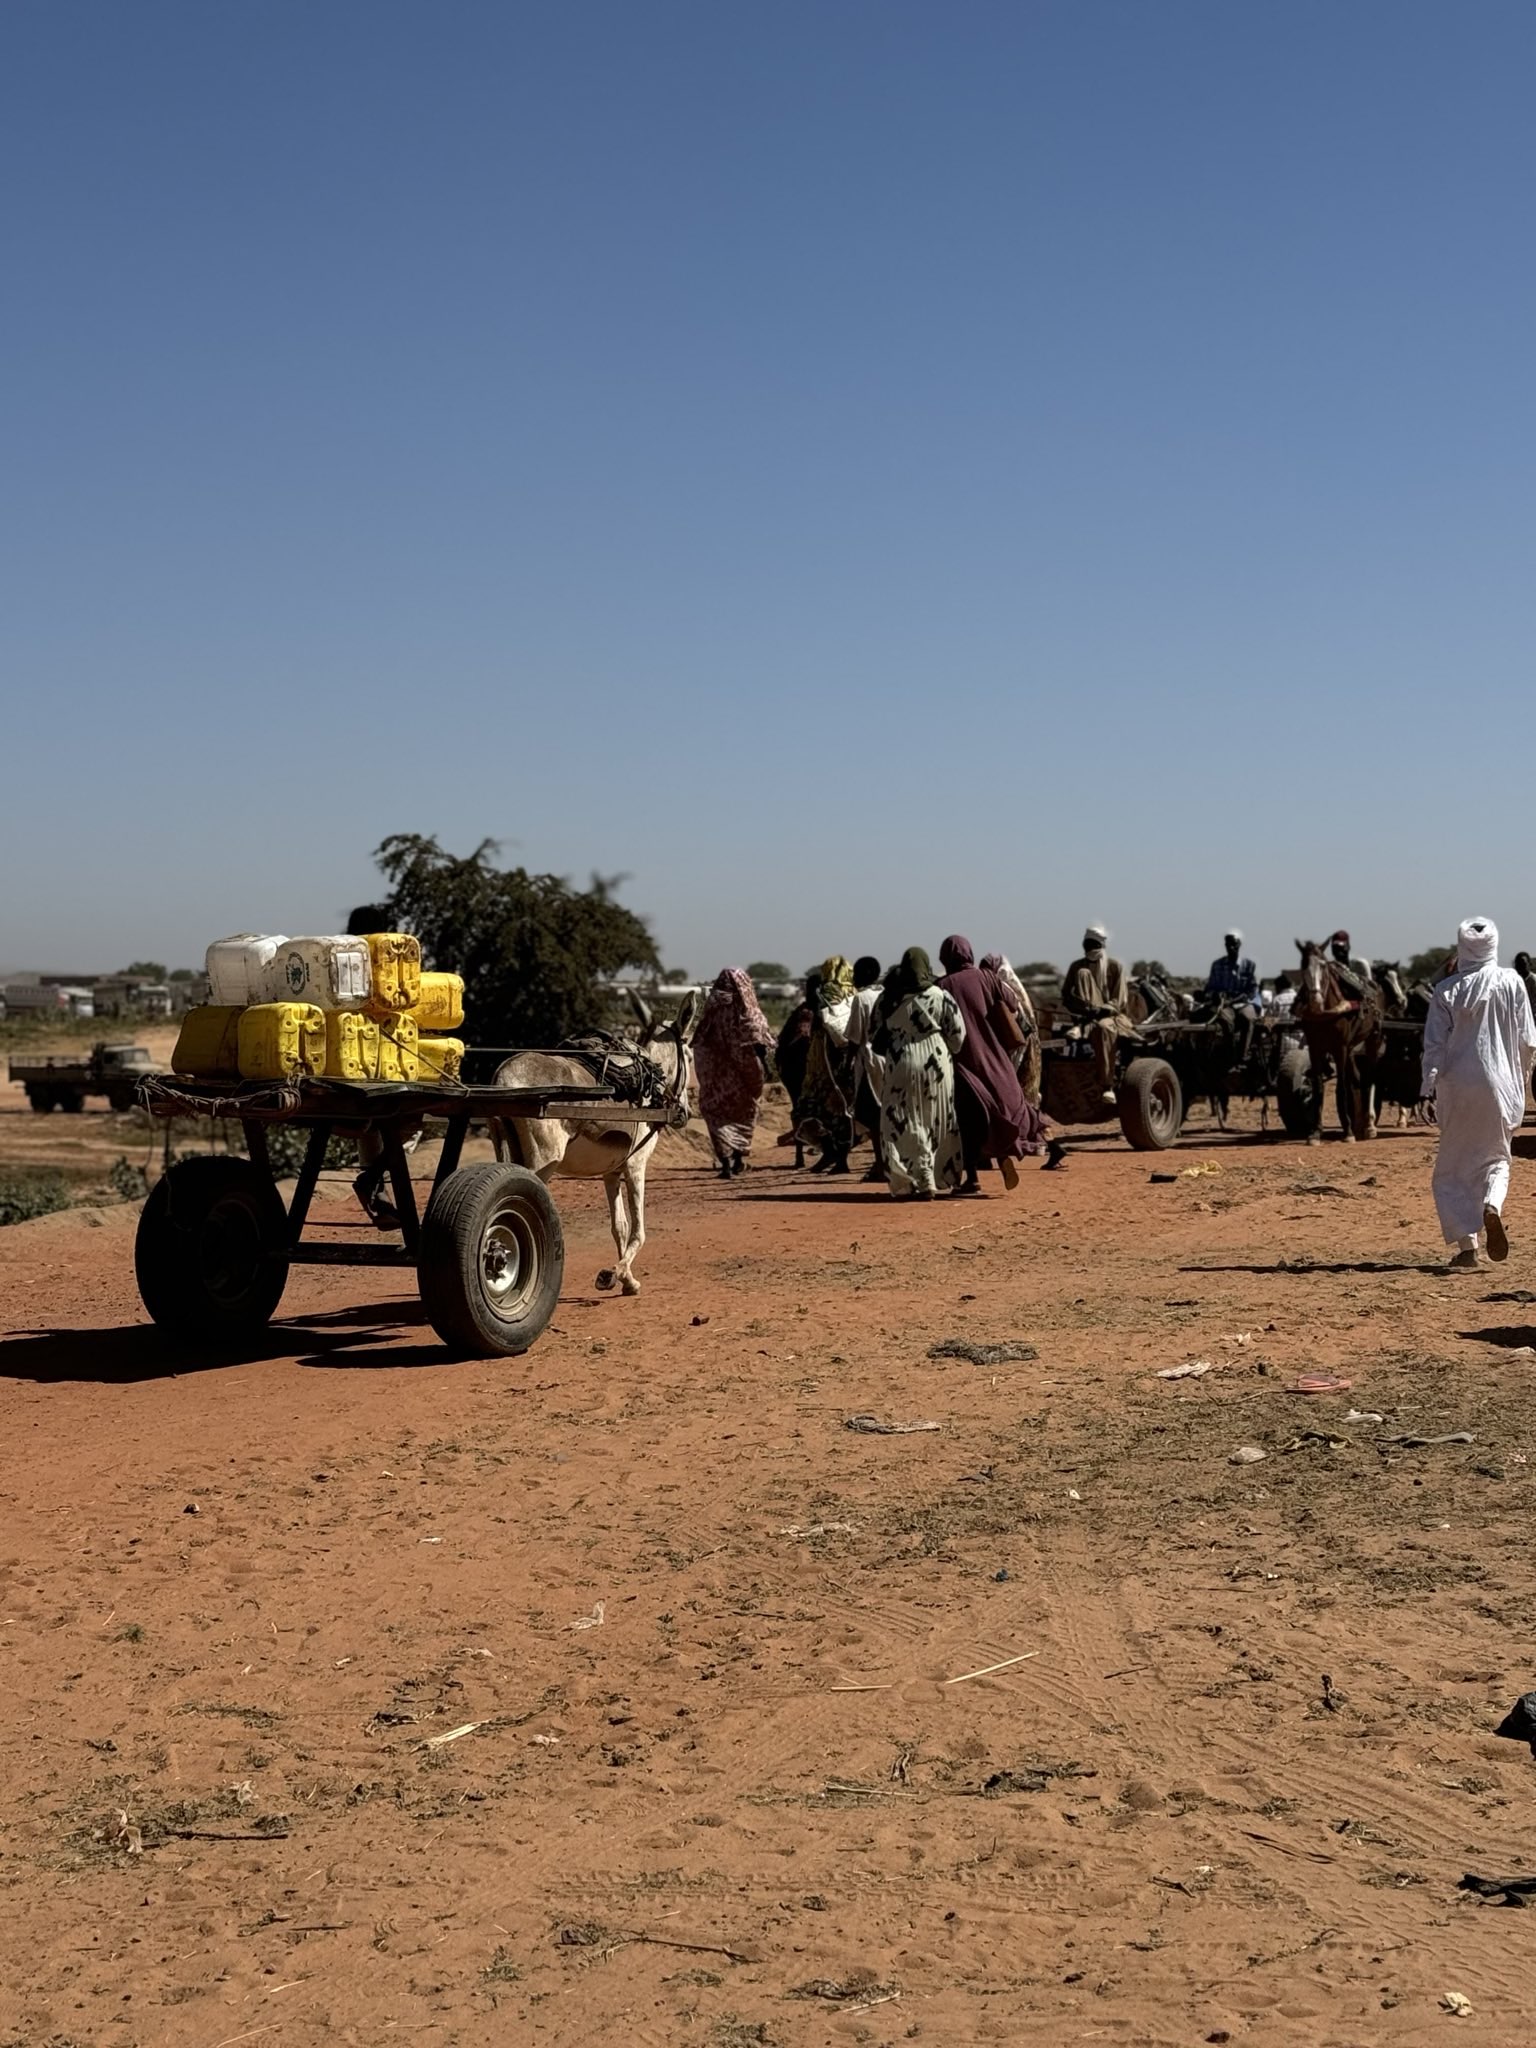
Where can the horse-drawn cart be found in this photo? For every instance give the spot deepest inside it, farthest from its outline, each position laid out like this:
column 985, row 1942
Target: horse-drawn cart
column 215, row 1241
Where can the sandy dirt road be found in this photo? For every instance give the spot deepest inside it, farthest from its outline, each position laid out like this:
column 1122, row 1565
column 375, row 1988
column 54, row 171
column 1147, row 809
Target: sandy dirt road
column 727, row 1779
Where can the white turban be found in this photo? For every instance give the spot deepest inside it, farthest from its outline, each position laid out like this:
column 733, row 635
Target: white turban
column 1477, row 944
column 1234, row 933
column 1097, row 933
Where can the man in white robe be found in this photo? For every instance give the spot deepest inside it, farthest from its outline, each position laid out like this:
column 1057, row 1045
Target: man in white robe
column 1478, row 1040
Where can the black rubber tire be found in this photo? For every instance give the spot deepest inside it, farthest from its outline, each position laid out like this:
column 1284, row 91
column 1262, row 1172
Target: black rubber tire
column 121, row 1102
column 41, row 1100
column 211, row 1256
column 71, row 1101
column 1151, row 1105
column 479, row 1217
column 1294, row 1090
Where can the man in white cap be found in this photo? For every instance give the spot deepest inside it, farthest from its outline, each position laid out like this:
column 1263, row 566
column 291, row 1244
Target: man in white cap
column 1478, row 1040
column 1097, row 991
column 1232, row 978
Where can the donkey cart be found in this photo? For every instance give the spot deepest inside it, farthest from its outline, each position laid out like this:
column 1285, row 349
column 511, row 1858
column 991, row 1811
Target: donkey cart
column 215, row 1241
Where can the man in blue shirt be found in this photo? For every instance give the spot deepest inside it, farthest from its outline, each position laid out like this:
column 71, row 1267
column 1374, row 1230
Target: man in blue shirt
column 1232, row 977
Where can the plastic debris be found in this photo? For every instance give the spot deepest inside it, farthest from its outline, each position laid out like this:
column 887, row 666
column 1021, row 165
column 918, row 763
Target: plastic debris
column 1320, row 1383
column 1194, row 1370
column 1247, row 1454
column 1424, row 1443
column 871, row 1425
column 592, row 1620
column 1457, row 2002
column 1362, row 1415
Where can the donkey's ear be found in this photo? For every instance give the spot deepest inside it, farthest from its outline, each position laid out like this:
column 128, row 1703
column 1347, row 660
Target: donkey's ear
column 688, row 1015
column 1301, row 947
column 642, row 1010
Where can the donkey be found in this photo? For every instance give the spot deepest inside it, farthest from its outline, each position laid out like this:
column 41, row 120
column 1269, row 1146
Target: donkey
column 616, row 1156
column 1341, row 1028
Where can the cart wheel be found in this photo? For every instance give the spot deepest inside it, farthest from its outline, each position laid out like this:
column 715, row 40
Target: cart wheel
column 211, row 1256
column 1151, row 1105
column 491, row 1260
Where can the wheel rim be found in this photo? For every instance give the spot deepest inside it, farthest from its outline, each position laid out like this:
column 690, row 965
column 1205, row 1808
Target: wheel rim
column 232, row 1252
column 1163, row 1111
column 509, row 1264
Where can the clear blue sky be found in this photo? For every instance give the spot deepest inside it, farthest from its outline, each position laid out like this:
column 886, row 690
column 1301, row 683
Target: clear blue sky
column 866, row 469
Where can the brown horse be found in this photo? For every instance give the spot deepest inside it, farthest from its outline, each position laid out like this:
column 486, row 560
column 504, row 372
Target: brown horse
column 1343, row 1028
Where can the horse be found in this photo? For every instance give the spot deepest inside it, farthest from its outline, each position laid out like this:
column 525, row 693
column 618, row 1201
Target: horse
column 617, row 1155
column 1343, row 1029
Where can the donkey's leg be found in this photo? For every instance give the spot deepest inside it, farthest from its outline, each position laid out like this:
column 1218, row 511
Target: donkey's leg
column 632, row 1187
column 618, row 1223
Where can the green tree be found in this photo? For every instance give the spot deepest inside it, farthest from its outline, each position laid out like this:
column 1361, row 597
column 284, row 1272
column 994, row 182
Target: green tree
column 676, row 976
column 1428, row 965
column 1149, row 970
column 768, row 970
column 1038, row 970
column 182, row 974
column 145, row 970
column 530, row 947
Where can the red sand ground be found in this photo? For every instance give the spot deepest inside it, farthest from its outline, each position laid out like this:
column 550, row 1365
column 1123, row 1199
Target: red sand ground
column 1228, row 1798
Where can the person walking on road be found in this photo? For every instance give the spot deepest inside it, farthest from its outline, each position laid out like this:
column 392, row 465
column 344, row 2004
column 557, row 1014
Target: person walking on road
column 730, row 1050
column 918, row 1031
column 1479, row 1037
column 997, row 1125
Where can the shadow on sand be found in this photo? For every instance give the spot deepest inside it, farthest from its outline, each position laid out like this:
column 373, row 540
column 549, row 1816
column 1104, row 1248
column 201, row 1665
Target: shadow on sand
column 138, row 1351
column 1301, row 1268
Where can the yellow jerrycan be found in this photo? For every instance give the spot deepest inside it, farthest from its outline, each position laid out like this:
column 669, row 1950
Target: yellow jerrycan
column 397, row 1049
column 281, row 1041
column 208, row 1044
column 439, row 1059
column 351, row 1046
column 395, row 958
column 440, row 1006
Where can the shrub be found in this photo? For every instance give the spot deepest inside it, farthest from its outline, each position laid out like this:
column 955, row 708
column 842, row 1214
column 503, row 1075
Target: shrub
column 24, row 1195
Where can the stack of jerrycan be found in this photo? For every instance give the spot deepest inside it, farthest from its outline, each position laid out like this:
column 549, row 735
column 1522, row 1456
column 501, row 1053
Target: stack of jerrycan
column 439, row 1012
column 349, row 1008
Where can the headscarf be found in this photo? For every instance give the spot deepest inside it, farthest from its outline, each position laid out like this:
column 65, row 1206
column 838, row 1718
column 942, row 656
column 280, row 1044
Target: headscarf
column 1000, row 965
column 836, row 979
column 912, row 976
column 956, row 953
column 733, row 1019
column 1477, row 944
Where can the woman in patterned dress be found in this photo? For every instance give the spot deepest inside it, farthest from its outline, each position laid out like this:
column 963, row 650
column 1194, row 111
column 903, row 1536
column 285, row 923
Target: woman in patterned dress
column 920, row 1031
column 731, row 1050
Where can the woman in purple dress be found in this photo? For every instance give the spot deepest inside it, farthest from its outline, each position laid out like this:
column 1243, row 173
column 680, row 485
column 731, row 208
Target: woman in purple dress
column 997, row 1124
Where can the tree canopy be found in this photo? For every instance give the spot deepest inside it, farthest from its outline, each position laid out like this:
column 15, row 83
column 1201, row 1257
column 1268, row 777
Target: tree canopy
column 768, row 970
column 1428, row 965
column 145, row 970
column 531, row 948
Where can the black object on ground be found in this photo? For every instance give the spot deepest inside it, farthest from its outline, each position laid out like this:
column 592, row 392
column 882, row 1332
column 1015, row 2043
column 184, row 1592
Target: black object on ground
column 1504, row 1891
column 1519, row 1724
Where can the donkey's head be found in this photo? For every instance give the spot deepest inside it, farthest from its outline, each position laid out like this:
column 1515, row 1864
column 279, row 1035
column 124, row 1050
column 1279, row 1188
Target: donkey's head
column 669, row 1041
